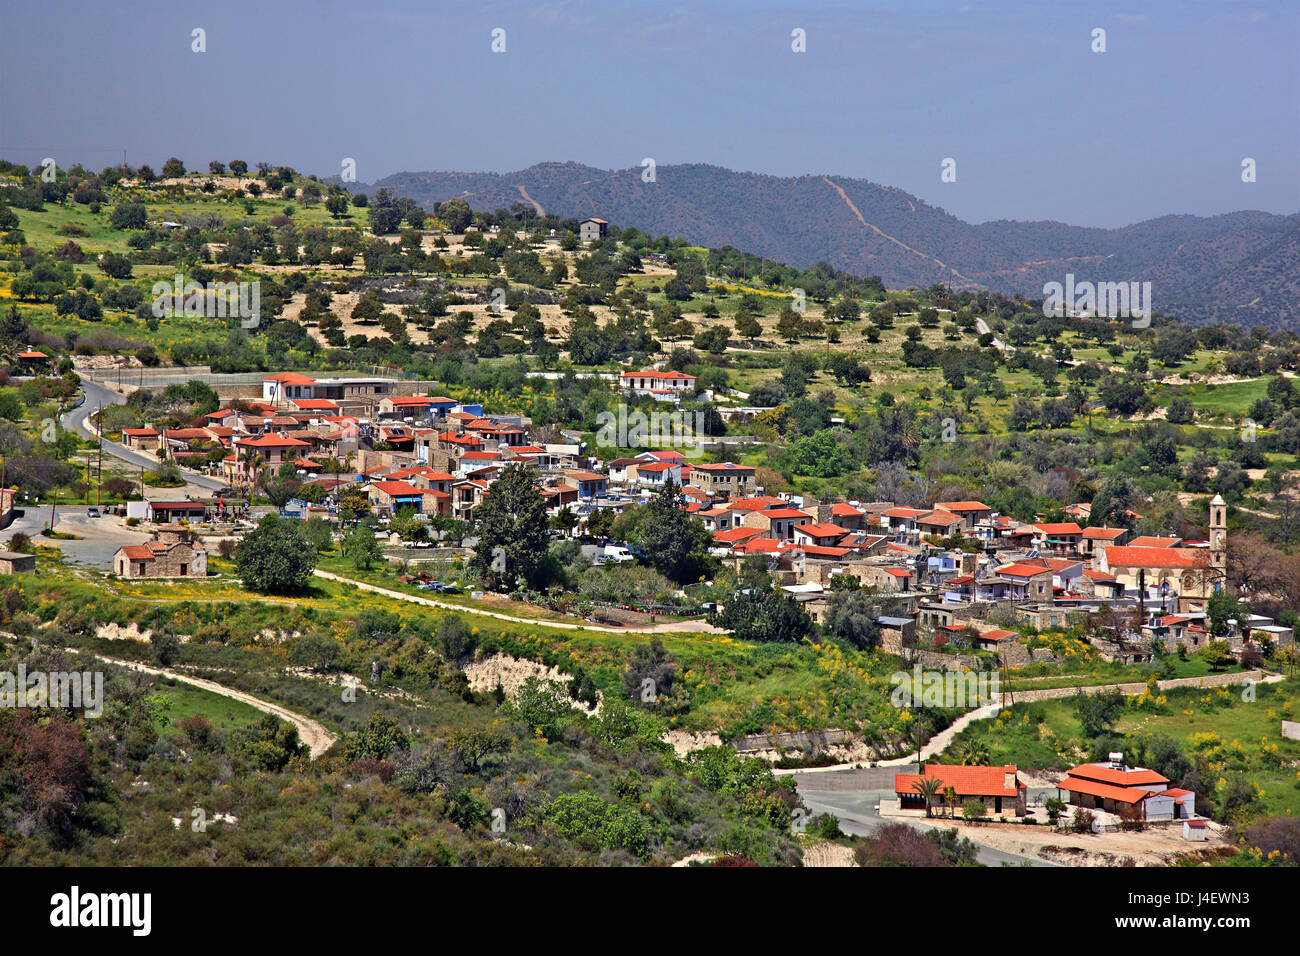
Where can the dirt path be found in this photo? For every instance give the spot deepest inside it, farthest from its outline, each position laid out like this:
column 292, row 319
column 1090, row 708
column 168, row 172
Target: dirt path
column 315, row 736
column 884, row 235
column 692, row 627
column 939, row 742
column 529, row 199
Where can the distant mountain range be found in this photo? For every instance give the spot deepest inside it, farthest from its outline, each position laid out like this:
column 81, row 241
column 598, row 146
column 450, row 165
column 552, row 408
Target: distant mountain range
column 1238, row 267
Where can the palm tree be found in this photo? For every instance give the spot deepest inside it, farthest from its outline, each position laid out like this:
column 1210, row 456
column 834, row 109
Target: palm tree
column 253, row 462
column 928, row 787
column 950, row 795
column 973, row 753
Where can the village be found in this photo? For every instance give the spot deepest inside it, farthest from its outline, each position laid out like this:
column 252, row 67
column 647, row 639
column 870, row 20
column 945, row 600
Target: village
column 947, row 570
column 960, row 587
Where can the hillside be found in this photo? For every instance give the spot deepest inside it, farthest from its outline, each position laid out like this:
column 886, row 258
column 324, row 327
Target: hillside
column 1240, row 266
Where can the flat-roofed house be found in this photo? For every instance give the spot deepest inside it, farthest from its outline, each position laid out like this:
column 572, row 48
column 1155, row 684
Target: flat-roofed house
column 723, row 478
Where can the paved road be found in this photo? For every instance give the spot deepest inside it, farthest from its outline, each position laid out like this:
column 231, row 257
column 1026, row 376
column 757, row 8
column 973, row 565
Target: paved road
column 100, row 537
column 97, row 395
column 856, row 811
column 982, row 328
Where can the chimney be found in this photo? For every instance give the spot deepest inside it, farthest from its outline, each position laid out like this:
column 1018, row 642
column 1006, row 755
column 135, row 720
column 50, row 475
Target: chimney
column 823, row 513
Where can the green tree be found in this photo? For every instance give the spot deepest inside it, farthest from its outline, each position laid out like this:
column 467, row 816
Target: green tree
column 317, row 531
column 456, row 214
column 128, row 215
column 676, row 541
column 362, row 547
column 1098, row 712
column 765, row 616
column 275, row 557
column 512, row 526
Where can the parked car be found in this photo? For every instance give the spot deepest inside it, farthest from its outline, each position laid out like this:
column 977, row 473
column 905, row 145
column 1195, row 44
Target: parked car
column 92, row 512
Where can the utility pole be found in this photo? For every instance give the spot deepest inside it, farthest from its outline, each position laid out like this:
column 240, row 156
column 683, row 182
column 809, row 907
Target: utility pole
column 99, row 478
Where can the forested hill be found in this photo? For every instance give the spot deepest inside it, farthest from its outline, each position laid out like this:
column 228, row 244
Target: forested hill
column 1241, row 266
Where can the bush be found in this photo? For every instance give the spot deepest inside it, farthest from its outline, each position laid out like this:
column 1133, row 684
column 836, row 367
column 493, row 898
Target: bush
column 166, row 649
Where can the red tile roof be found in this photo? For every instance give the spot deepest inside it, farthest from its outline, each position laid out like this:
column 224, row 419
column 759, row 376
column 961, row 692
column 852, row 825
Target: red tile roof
column 1134, row 557
column 270, row 441
column 967, row 781
column 290, row 378
column 821, row 530
column 397, row 489
column 1149, row 541
column 1105, row 534
column 1104, row 773
column 945, row 518
column 1023, row 570
column 820, row 551
column 1060, row 527
column 651, row 373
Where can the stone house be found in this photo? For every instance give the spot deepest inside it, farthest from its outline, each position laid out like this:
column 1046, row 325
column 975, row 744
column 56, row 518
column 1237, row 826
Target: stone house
column 172, row 553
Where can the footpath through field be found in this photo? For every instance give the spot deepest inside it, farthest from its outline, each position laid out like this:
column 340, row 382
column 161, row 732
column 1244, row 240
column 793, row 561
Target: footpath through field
column 311, row 733
column 690, row 627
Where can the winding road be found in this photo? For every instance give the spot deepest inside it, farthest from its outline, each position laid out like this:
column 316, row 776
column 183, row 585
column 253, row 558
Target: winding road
column 77, row 420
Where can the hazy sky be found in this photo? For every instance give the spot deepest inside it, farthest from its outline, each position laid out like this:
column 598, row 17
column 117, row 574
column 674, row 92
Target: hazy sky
column 1040, row 126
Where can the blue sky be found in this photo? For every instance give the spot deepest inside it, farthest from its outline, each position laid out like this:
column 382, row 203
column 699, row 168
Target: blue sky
column 1039, row 125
